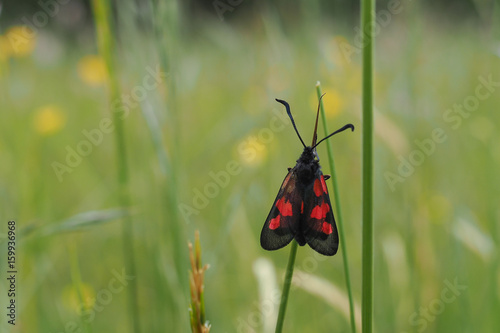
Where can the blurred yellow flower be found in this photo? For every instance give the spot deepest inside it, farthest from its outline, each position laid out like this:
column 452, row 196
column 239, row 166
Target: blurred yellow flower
column 332, row 102
column 440, row 209
column 253, row 149
column 92, row 70
column 21, row 41
column 48, row 119
column 71, row 299
column 5, row 49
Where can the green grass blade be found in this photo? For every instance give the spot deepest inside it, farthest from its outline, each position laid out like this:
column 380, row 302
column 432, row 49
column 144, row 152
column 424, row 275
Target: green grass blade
column 367, row 24
column 83, row 221
column 166, row 24
column 76, row 278
column 286, row 287
column 340, row 223
column 106, row 42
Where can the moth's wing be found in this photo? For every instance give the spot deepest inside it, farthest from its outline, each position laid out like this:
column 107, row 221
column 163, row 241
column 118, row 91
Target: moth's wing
column 318, row 224
column 282, row 223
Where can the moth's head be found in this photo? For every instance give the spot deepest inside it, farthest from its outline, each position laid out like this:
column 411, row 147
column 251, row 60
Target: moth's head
column 311, row 149
column 309, row 154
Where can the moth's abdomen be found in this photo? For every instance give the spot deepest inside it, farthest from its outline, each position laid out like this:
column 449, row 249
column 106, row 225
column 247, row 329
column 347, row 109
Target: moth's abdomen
column 299, row 237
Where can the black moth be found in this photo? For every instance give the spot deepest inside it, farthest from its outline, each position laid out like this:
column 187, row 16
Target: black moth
column 302, row 209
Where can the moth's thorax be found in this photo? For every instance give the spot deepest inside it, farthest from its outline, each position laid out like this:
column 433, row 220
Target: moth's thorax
column 307, row 165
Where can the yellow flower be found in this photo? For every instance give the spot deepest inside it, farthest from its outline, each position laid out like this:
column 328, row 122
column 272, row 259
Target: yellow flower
column 440, row 208
column 332, row 102
column 92, row 70
column 253, row 149
column 48, row 119
column 71, row 297
column 5, row 49
column 21, row 41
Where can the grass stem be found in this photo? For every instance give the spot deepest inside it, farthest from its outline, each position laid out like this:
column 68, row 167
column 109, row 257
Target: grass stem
column 76, row 278
column 286, row 287
column 340, row 223
column 103, row 17
column 367, row 27
column 166, row 22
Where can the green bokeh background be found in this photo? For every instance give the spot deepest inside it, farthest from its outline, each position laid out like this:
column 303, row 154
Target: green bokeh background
column 435, row 225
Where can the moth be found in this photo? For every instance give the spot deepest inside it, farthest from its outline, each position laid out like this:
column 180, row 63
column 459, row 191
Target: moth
column 302, row 208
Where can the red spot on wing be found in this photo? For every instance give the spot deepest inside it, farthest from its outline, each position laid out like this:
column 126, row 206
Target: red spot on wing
column 323, row 184
column 318, row 190
column 285, row 208
column 302, row 208
column 319, row 212
column 327, row 228
column 275, row 223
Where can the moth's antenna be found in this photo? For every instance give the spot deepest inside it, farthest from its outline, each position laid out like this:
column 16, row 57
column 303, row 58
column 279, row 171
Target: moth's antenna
column 291, row 118
column 315, row 135
column 351, row 126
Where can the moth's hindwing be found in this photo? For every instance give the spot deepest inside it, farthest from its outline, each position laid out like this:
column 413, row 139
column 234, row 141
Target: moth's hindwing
column 318, row 224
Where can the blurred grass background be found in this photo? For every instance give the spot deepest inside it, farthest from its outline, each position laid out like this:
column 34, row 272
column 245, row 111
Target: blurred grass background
column 215, row 105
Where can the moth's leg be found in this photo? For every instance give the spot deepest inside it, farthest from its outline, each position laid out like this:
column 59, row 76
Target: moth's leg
column 316, row 154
